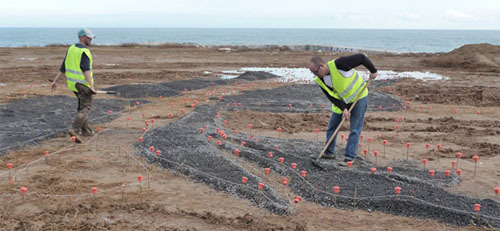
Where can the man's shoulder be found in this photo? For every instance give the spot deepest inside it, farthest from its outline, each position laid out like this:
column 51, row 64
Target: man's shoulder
column 79, row 45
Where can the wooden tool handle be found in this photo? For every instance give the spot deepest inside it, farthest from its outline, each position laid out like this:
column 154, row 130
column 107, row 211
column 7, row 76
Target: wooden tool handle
column 106, row 92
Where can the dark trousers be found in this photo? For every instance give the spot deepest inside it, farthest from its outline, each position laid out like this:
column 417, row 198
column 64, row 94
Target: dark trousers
column 84, row 96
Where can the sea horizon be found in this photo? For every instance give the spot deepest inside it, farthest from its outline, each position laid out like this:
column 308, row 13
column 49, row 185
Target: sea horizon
column 391, row 40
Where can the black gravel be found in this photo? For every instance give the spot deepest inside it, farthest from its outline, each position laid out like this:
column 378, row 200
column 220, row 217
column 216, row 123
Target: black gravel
column 143, row 91
column 29, row 121
column 421, row 196
column 256, row 75
column 301, row 97
column 189, row 152
column 186, row 149
column 169, row 89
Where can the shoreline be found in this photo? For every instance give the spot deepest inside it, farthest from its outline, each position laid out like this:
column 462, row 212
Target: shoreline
column 229, row 48
column 392, row 41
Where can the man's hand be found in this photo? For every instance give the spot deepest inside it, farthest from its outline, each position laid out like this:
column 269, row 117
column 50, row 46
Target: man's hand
column 93, row 90
column 53, row 86
column 346, row 114
column 373, row 75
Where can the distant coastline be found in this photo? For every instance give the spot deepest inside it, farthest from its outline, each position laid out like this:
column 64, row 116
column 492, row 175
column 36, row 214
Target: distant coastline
column 228, row 48
column 341, row 40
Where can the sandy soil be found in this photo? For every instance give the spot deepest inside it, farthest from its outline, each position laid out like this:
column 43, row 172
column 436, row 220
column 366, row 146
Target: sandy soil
column 167, row 200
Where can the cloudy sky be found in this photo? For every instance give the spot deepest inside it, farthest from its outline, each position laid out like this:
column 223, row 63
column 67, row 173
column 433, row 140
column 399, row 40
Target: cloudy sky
column 371, row 14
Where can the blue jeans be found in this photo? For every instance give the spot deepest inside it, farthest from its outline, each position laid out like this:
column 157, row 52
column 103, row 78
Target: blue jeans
column 357, row 120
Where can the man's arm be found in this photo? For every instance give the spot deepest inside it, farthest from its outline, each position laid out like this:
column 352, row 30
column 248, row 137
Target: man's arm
column 337, row 102
column 347, row 63
column 53, row 85
column 62, row 71
column 89, row 80
column 85, row 66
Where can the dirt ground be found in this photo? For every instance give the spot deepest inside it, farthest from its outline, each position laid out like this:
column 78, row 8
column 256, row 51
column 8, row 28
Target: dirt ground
column 461, row 114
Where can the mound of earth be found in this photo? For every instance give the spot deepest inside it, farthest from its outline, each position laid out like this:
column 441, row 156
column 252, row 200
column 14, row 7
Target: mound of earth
column 484, row 57
column 256, row 75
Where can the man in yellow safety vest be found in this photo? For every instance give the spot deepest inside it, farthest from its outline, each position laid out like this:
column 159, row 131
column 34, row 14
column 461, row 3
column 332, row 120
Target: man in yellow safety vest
column 341, row 83
column 77, row 66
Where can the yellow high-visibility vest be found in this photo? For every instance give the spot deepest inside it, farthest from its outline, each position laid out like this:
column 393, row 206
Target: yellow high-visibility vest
column 344, row 88
column 74, row 73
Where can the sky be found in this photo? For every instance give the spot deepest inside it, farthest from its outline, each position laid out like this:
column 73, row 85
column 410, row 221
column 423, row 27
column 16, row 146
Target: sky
column 356, row 14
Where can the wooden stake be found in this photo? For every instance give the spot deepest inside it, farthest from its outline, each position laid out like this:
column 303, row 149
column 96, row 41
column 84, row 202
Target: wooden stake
column 355, row 195
column 384, row 151
column 475, row 164
column 149, row 180
column 123, row 189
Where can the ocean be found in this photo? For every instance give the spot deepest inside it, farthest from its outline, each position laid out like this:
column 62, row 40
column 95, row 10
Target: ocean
column 430, row 41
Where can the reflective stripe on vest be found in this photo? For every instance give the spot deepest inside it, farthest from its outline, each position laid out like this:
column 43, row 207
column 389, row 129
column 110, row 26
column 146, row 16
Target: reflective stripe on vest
column 356, row 92
column 76, row 80
column 74, row 74
column 348, row 87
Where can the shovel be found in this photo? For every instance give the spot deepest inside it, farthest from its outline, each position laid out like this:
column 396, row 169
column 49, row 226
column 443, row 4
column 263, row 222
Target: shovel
column 98, row 91
column 317, row 160
column 106, row 92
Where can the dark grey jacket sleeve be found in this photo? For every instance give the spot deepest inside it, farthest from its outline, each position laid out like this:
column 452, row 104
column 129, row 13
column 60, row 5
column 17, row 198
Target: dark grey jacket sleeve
column 347, row 63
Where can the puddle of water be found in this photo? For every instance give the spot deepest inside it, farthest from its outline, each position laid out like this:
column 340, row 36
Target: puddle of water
column 304, row 75
column 229, row 76
column 28, row 59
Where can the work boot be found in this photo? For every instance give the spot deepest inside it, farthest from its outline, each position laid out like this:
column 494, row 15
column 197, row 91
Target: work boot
column 72, row 133
column 327, row 156
column 87, row 132
column 345, row 162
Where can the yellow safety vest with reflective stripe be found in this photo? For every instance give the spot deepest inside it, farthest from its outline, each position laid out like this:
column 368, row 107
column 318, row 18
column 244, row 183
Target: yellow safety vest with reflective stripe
column 344, row 88
column 74, row 73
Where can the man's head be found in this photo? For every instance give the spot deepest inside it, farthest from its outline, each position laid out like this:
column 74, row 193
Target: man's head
column 318, row 67
column 85, row 36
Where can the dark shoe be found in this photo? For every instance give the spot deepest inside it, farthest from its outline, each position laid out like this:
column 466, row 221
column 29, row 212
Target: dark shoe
column 87, row 133
column 346, row 162
column 72, row 133
column 327, row 156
